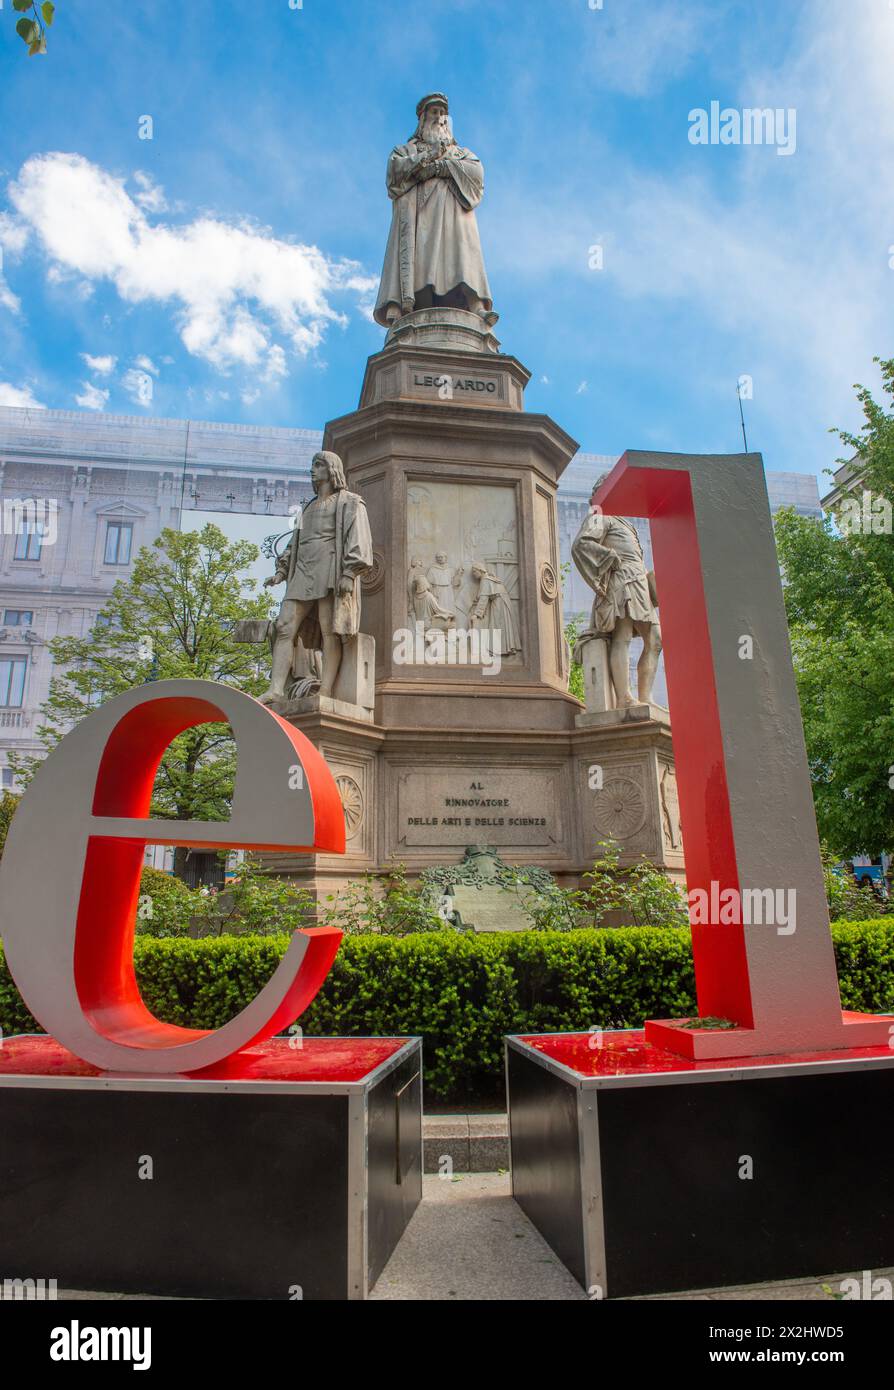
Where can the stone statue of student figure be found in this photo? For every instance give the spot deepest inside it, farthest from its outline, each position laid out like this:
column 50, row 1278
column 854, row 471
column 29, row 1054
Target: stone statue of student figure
column 322, row 568
column 609, row 557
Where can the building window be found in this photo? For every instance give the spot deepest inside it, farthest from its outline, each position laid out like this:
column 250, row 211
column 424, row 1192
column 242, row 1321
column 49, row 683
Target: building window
column 12, row 680
column 119, row 535
column 28, row 542
column 18, row 617
column 9, row 779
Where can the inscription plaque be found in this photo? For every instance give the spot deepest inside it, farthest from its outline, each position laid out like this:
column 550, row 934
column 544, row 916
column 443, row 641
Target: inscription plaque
column 453, row 806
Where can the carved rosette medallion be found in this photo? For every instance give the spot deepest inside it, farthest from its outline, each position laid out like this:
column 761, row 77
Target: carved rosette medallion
column 352, row 803
column 374, row 577
column 549, row 584
column 619, row 809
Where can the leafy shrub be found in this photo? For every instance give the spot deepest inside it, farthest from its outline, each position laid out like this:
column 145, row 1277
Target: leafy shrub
column 641, row 895
column 848, row 902
column 390, row 905
column 167, row 905
column 254, row 902
column 463, row 992
column 8, row 803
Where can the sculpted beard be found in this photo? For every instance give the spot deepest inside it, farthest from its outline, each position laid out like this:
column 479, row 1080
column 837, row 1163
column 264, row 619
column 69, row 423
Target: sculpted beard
column 436, row 133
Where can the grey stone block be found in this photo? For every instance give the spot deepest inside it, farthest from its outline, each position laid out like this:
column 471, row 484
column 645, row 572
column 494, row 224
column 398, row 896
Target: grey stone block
column 445, row 1137
column 473, row 1143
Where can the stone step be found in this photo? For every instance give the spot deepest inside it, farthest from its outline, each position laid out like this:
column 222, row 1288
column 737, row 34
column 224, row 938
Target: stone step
column 468, row 1143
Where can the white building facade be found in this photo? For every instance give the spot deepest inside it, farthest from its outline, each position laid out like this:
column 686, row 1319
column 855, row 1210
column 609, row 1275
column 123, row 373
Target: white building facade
column 81, row 493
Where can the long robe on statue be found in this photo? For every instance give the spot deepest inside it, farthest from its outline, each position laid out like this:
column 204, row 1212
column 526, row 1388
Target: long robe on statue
column 433, row 244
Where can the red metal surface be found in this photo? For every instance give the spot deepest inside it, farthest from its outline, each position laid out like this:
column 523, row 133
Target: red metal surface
column 103, row 958
column 72, row 960
column 781, row 990
column 329, row 813
column 279, row 1059
column 721, row 968
column 627, row 1053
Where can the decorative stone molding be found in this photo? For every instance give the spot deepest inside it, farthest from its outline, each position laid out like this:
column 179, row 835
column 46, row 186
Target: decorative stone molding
column 352, row 802
column 374, row 578
column 549, row 584
column 619, row 808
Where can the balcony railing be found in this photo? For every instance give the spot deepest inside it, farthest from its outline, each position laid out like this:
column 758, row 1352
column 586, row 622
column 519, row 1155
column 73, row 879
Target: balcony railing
column 15, row 719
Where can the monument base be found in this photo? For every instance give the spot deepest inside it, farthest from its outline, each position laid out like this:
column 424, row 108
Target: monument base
column 624, row 714
column 441, row 327
column 648, row 1173
column 420, row 796
column 321, row 704
column 289, row 1173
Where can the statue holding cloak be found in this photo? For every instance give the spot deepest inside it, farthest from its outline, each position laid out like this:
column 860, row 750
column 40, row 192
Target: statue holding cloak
column 322, row 568
column 608, row 555
column 433, row 255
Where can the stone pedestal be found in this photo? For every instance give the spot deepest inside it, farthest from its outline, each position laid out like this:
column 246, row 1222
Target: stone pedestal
column 592, row 653
column 352, row 747
column 354, row 685
column 321, row 704
column 460, row 485
column 444, row 328
column 627, row 787
column 624, row 714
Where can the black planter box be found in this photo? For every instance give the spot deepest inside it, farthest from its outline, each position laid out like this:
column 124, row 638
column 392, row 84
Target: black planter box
column 292, row 1173
column 631, row 1162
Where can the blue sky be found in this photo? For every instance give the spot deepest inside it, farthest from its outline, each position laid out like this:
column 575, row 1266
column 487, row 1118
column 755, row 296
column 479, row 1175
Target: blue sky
column 232, row 259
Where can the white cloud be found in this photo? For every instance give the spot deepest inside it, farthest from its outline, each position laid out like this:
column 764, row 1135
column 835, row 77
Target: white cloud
column 146, row 364
column 241, row 296
column 13, row 234
column 151, row 196
column 138, row 385
column 13, row 238
column 92, row 397
column 8, row 300
column 19, row 396
column 276, row 363
column 103, row 366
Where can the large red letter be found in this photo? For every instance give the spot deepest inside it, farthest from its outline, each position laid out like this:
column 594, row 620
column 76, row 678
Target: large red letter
column 70, row 875
column 745, row 801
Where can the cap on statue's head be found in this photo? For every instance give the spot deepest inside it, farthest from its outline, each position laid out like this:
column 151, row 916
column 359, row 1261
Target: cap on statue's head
column 430, row 100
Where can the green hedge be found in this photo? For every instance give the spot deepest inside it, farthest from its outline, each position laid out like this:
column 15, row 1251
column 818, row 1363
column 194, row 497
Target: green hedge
column 463, row 992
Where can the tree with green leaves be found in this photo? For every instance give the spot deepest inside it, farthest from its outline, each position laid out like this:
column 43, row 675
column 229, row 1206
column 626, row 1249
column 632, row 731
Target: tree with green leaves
column 839, row 594
column 35, row 21
column 171, row 619
column 8, row 803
